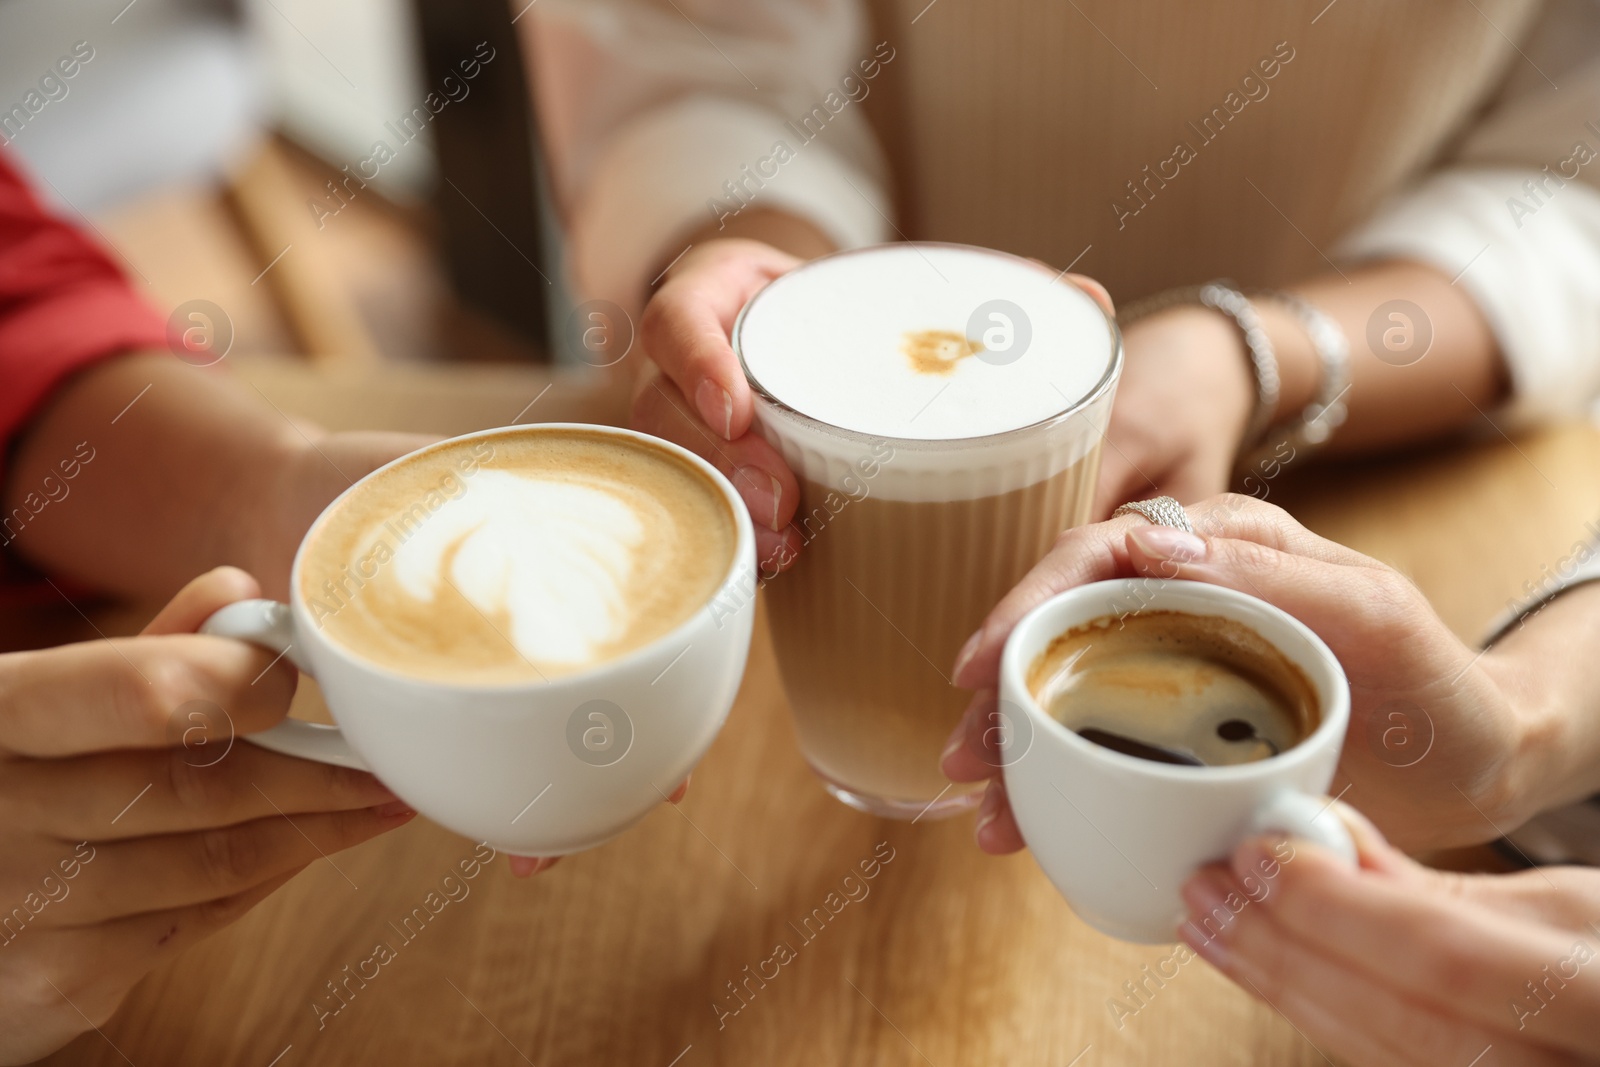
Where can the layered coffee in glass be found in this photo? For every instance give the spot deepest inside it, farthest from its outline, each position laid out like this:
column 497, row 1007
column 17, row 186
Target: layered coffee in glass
column 943, row 408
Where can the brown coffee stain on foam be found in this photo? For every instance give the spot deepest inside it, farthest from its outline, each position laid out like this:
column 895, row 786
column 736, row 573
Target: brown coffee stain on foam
column 937, row 351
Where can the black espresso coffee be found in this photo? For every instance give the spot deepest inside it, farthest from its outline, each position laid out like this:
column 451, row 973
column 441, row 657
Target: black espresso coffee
column 1176, row 688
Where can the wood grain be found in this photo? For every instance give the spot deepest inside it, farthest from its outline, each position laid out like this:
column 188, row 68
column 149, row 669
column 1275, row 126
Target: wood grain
column 624, row 955
column 264, row 193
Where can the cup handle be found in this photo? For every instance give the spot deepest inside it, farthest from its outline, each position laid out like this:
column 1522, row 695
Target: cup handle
column 1308, row 818
column 271, row 625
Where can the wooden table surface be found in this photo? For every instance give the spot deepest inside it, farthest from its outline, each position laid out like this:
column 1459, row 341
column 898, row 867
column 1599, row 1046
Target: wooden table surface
column 624, row 955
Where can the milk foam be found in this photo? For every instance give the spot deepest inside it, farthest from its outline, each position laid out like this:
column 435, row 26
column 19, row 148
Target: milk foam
column 553, row 558
column 525, row 556
column 830, row 340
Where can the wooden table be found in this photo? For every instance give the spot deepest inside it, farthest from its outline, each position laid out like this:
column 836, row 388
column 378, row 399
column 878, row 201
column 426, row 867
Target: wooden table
column 623, row 955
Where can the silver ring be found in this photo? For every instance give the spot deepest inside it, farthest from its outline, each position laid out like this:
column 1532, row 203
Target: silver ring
column 1162, row 510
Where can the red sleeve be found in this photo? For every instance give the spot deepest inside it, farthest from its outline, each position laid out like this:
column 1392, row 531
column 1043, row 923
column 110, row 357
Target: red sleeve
column 63, row 304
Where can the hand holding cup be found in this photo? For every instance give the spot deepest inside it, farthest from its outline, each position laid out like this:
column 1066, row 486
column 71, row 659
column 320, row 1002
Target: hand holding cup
column 138, row 822
column 1432, row 752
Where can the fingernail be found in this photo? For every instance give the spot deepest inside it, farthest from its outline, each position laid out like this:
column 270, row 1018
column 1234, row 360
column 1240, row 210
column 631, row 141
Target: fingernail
column 394, row 810
column 968, row 650
column 1165, row 542
column 988, row 811
column 525, row 866
column 983, row 824
column 953, row 745
column 716, row 407
column 761, row 493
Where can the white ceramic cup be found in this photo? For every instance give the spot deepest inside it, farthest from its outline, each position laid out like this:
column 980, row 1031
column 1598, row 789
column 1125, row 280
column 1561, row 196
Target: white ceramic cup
column 533, row 768
column 1119, row 835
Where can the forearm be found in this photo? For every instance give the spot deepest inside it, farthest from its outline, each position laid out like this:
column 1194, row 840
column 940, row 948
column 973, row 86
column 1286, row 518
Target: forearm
column 183, row 460
column 1547, row 667
column 1412, row 394
column 783, row 231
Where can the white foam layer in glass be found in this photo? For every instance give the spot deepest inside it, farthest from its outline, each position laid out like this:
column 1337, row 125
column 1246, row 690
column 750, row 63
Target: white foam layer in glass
column 828, row 340
column 859, row 465
column 821, row 346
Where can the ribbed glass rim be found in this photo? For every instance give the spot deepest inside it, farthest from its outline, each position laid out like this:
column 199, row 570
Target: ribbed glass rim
column 1107, row 381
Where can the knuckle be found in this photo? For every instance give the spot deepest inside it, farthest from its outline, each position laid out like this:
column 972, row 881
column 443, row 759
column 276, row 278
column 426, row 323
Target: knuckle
column 34, row 1017
column 655, row 323
column 337, row 784
column 1258, row 558
column 223, row 911
column 141, row 699
column 167, row 682
column 1391, row 599
column 1226, row 513
column 232, row 857
column 1069, row 539
column 195, row 788
column 27, row 990
column 1452, row 968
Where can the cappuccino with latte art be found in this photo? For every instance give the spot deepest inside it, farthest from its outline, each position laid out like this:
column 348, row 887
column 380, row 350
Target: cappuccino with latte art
column 516, row 558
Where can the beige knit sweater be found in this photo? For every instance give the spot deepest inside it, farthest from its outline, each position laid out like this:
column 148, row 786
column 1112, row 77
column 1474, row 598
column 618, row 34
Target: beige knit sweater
column 1149, row 142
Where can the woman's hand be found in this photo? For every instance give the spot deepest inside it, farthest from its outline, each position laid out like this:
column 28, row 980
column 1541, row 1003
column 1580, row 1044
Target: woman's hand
column 696, row 395
column 1182, row 406
column 133, row 824
column 700, row 399
column 1441, row 748
column 307, row 480
column 1392, row 963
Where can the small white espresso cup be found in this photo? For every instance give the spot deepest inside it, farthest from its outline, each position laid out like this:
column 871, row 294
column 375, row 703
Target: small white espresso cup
column 1119, row 835
column 533, row 768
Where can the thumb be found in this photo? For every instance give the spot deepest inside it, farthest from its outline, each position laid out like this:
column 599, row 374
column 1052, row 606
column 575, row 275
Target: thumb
column 200, row 599
column 1348, row 606
column 1567, row 897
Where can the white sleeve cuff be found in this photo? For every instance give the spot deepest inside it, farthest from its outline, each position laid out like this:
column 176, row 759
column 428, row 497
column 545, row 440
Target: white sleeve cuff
column 1530, row 259
column 688, row 164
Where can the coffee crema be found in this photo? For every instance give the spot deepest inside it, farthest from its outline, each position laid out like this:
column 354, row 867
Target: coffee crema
column 1176, row 688
column 517, row 558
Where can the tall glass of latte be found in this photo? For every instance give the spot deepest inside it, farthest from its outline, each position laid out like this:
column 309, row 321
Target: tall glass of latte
column 943, row 407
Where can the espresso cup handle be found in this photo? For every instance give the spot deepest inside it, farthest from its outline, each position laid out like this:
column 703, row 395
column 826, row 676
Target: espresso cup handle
column 271, row 625
column 1308, row 818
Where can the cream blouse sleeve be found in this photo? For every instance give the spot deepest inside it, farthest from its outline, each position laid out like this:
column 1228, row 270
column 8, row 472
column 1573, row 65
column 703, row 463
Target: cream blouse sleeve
column 1514, row 217
column 660, row 117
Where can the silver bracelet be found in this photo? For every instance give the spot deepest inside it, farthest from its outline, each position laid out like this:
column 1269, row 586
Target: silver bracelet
column 1326, row 412
column 1219, row 296
column 1586, row 572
